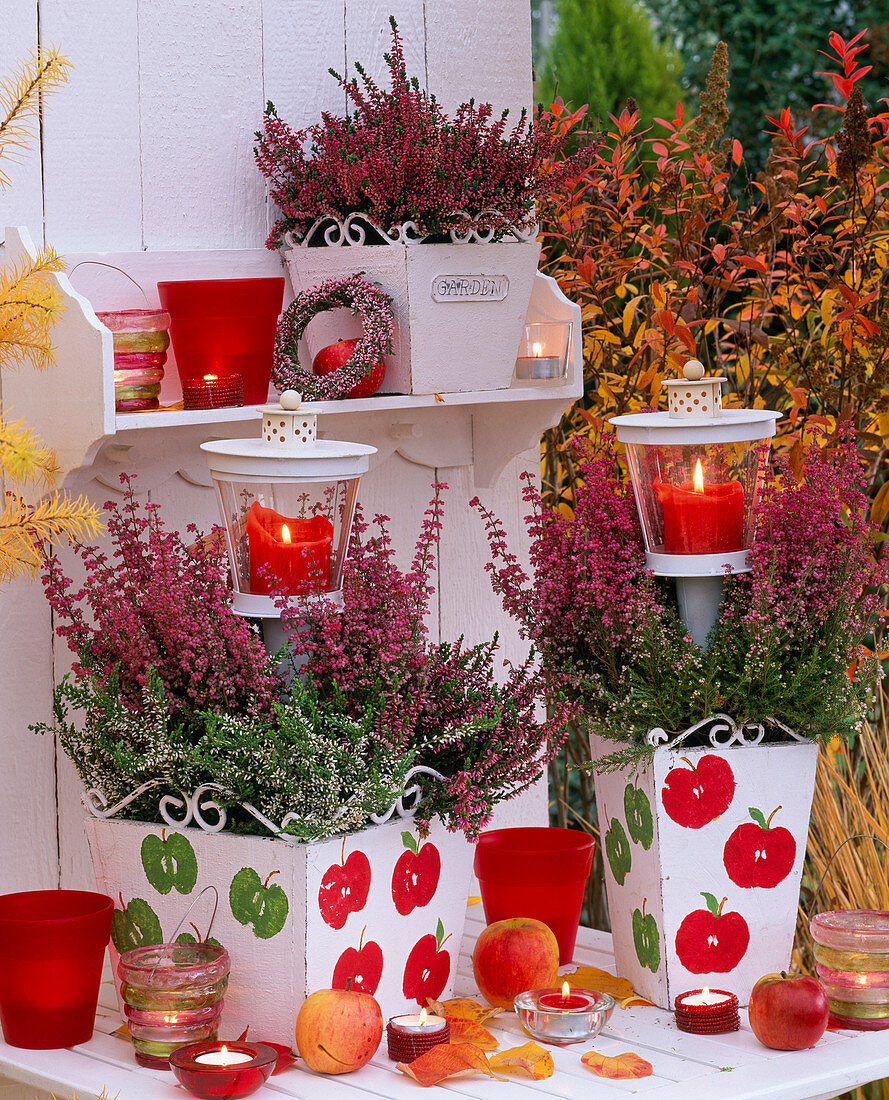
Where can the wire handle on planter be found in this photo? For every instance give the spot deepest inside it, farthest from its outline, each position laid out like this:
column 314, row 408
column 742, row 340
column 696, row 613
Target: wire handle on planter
column 100, row 263
column 176, row 930
column 848, row 840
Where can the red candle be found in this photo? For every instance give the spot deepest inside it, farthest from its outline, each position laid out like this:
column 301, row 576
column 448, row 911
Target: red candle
column 295, row 553
column 566, row 1000
column 701, row 518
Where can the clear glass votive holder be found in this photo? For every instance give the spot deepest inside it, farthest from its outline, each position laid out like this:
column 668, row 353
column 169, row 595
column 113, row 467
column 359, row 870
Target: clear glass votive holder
column 543, row 353
column 173, row 996
column 549, row 1017
column 852, row 960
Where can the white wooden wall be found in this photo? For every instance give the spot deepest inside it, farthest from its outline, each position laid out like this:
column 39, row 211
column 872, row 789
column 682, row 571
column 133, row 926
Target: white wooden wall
column 150, row 147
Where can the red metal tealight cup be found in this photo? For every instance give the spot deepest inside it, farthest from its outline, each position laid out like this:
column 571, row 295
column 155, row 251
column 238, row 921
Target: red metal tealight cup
column 230, row 1069
column 407, row 1037
column 707, row 1011
column 213, row 392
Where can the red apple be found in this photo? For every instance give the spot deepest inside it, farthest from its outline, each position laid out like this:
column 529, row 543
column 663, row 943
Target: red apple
column 788, row 1013
column 693, row 798
column 344, row 889
column 335, row 356
column 757, row 855
column 416, row 874
column 513, row 955
column 359, row 968
column 338, row 1030
column 427, row 968
column 709, row 941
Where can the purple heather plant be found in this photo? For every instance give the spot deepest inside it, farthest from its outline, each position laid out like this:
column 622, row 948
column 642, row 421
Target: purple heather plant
column 609, row 631
column 160, row 605
column 398, row 157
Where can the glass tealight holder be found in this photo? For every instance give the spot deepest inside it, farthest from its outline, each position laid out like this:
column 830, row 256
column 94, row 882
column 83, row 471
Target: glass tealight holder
column 141, row 339
column 233, row 1069
column 543, row 354
column 550, row 1017
column 173, row 995
column 852, row 961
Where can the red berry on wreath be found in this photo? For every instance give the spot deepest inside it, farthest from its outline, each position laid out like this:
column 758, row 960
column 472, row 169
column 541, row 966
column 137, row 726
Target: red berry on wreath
column 337, row 355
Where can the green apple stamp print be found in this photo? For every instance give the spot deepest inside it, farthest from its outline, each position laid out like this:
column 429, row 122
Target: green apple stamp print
column 255, row 903
column 646, row 938
column 637, row 809
column 134, row 925
column 169, row 862
column 617, row 849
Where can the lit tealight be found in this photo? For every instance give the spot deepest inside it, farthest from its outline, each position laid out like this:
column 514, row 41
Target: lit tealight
column 223, row 1057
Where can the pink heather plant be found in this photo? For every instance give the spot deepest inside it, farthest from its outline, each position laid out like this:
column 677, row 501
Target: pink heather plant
column 440, row 702
column 398, row 157
column 160, row 605
column 789, row 629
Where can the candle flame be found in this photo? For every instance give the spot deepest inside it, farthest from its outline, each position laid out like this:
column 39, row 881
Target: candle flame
column 705, row 993
column 224, row 1053
column 699, row 477
column 210, row 377
column 285, row 533
column 537, row 350
column 423, row 1015
column 566, row 991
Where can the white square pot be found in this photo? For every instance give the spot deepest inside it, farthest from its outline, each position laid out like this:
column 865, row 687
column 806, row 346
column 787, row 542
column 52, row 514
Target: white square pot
column 459, row 308
column 296, row 917
column 681, row 828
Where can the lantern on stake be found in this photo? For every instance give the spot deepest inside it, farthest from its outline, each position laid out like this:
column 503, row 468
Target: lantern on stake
column 287, row 501
column 697, row 470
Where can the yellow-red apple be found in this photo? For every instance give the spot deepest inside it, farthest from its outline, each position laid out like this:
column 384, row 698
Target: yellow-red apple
column 513, row 955
column 338, row 1030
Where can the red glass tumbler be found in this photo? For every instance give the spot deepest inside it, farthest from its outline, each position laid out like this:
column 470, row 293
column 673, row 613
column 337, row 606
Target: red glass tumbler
column 52, row 945
column 224, row 327
column 535, row 872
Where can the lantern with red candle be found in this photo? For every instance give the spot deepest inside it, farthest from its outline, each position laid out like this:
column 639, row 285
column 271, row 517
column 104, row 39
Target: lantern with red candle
column 287, row 501
column 697, row 469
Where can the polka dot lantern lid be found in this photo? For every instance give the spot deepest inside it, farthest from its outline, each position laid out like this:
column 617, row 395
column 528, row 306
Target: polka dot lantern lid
column 697, row 469
column 287, row 501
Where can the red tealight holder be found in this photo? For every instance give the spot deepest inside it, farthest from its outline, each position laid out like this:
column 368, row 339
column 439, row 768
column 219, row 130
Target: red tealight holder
column 214, row 1069
column 407, row 1037
column 212, row 392
column 696, row 1015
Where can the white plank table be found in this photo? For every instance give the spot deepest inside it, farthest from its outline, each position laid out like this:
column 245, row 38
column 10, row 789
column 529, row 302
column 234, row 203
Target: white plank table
column 686, row 1067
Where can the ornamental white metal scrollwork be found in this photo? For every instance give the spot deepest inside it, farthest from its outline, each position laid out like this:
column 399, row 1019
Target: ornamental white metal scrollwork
column 355, row 229
column 723, row 732
column 201, row 809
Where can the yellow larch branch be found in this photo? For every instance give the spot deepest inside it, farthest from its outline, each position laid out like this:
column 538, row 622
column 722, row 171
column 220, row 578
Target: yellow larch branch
column 29, row 305
column 23, row 457
column 21, row 99
column 23, row 526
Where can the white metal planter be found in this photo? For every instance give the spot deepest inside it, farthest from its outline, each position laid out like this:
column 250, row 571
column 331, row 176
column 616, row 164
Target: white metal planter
column 459, row 308
column 380, row 907
column 699, row 892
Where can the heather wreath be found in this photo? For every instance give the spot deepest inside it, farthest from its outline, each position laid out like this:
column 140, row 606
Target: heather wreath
column 786, row 647
column 367, row 301
column 399, row 158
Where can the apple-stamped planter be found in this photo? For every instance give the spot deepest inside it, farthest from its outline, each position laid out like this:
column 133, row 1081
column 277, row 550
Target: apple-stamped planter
column 459, row 307
column 704, row 850
column 378, row 910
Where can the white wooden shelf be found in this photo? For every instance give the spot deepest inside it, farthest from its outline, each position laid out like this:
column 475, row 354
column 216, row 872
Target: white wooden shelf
column 72, row 405
column 734, row 1066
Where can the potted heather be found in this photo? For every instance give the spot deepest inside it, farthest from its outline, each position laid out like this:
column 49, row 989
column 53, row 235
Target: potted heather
column 333, row 816
column 704, row 759
column 360, row 192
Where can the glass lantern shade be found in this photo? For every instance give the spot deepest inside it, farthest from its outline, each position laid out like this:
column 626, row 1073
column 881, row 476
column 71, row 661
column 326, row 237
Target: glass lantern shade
column 287, row 502
column 695, row 485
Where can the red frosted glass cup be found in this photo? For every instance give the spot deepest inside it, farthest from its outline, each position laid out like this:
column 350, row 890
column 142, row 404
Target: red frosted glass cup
column 52, row 945
column 535, row 872
column 252, row 1066
column 223, row 327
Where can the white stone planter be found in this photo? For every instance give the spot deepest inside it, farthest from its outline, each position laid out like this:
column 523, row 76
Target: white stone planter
column 296, row 917
column 682, row 828
column 459, row 308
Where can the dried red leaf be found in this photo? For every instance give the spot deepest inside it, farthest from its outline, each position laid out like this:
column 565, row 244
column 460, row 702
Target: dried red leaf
column 445, row 1062
column 621, row 1067
column 468, row 1031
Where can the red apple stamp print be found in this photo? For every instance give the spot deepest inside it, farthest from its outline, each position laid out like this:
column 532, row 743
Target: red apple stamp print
column 344, row 888
column 712, row 942
column 696, row 795
column 416, row 874
column 359, row 969
column 427, row 968
column 758, row 855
